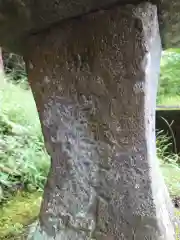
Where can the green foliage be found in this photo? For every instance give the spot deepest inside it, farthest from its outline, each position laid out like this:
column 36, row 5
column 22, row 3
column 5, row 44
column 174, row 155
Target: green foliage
column 15, row 67
column 169, row 84
column 169, row 94
column 23, row 159
column 163, row 141
column 6, row 127
column 17, row 214
column 168, row 163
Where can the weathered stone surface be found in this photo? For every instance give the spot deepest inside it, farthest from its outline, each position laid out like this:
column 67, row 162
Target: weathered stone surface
column 94, row 81
column 21, row 18
column 170, row 18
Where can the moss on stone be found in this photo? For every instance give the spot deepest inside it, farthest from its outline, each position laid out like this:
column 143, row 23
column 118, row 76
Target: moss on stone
column 17, row 214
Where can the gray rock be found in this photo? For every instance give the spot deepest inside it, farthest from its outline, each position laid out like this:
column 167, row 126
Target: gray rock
column 94, row 81
column 21, row 18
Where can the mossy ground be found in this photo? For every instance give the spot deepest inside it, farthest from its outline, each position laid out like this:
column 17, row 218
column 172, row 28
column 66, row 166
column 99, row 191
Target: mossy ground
column 17, row 214
column 22, row 210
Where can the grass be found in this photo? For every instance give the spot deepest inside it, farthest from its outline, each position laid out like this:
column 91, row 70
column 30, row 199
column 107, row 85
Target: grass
column 18, row 214
column 169, row 101
column 19, row 106
column 23, row 159
column 169, row 164
column 24, row 162
column 169, row 83
column 171, row 173
column 169, row 95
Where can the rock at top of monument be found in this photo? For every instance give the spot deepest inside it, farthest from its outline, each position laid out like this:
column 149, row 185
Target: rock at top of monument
column 20, row 18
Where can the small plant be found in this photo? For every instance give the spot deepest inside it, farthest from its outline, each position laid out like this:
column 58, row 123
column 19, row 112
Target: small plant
column 24, row 162
column 162, row 145
column 168, row 163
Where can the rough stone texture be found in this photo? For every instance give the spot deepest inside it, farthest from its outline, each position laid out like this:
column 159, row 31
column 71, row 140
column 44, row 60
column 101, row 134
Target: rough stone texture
column 170, row 18
column 21, row 18
column 94, row 80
